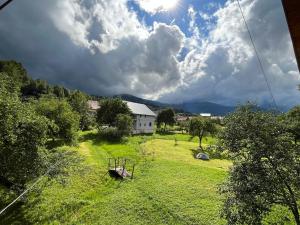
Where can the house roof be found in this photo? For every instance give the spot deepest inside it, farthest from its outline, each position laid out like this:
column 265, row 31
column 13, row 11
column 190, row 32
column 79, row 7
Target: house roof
column 93, row 105
column 139, row 109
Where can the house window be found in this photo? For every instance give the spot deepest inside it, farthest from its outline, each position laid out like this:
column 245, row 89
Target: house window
column 140, row 124
column 145, row 124
column 150, row 124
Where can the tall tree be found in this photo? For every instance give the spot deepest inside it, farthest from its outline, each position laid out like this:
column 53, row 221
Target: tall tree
column 200, row 126
column 15, row 71
column 66, row 121
column 166, row 117
column 266, row 166
column 78, row 101
column 23, row 135
column 109, row 109
column 292, row 119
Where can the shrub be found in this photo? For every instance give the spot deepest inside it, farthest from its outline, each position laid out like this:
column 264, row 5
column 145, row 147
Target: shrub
column 110, row 134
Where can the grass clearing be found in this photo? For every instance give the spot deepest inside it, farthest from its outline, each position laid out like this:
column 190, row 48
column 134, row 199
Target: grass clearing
column 170, row 186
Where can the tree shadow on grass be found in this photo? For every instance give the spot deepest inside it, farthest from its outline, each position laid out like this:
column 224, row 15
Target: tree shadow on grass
column 98, row 139
column 51, row 144
column 194, row 151
column 165, row 132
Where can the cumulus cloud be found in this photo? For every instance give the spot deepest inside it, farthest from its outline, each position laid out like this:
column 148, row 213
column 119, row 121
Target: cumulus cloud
column 101, row 47
column 225, row 69
column 155, row 6
column 94, row 45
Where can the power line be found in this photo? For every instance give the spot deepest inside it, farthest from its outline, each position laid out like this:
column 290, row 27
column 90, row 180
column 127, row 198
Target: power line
column 5, row 4
column 258, row 57
column 27, row 190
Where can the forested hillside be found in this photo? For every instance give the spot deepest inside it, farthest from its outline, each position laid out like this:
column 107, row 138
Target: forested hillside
column 35, row 119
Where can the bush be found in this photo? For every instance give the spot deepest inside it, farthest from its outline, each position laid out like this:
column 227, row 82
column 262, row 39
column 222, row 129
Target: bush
column 66, row 121
column 124, row 124
column 110, row 134
column 216, row 152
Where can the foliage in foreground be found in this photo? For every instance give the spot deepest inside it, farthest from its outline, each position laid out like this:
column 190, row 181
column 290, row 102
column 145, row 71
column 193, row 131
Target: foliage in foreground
column 23, row 135
column 266, row 167
column 292, row 119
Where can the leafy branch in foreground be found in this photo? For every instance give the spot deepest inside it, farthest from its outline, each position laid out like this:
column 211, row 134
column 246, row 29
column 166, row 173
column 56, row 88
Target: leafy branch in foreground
column 266, row 166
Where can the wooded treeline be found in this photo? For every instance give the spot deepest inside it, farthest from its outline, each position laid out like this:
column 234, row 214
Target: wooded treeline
column 35, row 119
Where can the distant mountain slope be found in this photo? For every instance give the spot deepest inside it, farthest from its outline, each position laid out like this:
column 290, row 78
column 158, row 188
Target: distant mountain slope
column 191, row 107
column 135, row 99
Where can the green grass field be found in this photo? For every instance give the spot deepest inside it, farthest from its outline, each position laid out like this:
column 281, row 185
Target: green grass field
column 170, row 186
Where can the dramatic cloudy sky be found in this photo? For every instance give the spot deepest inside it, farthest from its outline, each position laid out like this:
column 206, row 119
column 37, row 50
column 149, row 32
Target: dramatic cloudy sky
column 171, row 50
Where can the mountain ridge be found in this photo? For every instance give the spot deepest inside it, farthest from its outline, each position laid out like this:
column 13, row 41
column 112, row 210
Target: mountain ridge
column 192, row 107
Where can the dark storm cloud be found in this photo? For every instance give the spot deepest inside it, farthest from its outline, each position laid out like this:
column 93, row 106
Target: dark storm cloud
column 100, row 46
column 60, row 41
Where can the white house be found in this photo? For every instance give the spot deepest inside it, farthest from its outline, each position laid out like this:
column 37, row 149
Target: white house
column 143, row 118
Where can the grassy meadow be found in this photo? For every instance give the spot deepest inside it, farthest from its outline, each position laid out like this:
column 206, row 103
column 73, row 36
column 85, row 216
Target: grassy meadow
column 169, row 187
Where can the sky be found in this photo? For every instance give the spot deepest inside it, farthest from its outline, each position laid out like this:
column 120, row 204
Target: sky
column 169, row 50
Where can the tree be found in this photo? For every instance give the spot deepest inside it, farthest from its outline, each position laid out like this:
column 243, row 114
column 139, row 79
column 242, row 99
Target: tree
column 124, row 124
column 109, row 110
column 65, row 120
column 59, row 91
column 266, row 166
column 36, row 88
column 166, row 117
column 200, row 126
column 23, row 135
column 292, row 119
column 183, row 125
column 78, row 101
column 15, row 71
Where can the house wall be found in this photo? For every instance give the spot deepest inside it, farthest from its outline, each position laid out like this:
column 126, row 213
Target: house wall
column 143, row 124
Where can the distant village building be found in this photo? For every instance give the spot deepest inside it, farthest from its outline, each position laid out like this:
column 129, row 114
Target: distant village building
column 205, row 114
column 93, row 105
column 143, row 117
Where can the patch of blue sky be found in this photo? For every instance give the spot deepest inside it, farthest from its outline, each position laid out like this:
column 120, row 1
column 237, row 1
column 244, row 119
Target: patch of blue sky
column 179, row 15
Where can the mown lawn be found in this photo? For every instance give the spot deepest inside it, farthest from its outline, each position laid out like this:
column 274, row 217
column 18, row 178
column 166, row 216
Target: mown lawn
column 170, row 186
